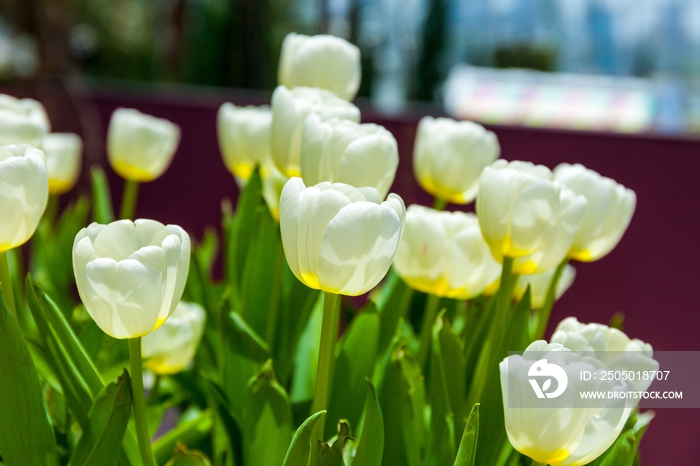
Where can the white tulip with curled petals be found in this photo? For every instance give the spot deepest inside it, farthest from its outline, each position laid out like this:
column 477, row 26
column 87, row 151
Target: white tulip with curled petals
column 171, row 348
column 140, row 147
column 63, row 152
column 290, row 107
column 131, row 275
column 322, row 61
column 338, row 238
column 572, row 208
column 517, row 206
column 342, row 151
column 22, row 121
column 24, row 193
column 449, row 156
column 539, row 285
column 609, row 212
column 443, row 253
column 576, row 431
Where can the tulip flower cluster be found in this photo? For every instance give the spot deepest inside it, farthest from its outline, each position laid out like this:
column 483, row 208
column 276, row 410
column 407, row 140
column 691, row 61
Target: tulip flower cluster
column 420, row 375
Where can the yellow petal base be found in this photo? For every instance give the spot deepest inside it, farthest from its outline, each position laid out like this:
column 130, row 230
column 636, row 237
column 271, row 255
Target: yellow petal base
column 130, row 172
column 436, row 189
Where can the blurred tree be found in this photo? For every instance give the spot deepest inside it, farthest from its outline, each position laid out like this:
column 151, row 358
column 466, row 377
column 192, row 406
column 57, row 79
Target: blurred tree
column 525, row 56
column 429, row 72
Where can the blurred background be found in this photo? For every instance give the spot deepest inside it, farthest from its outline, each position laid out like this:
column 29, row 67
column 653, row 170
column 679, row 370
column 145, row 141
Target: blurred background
column 612, row 84
column 630, row 66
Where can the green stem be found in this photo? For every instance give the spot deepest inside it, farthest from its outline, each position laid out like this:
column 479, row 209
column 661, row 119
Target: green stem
column 51, row 211
column 276, row 286
column 546, row 311
column 439, row 204
column 431, row 310
column 6, row 282
column 329, row 334
column 137, row 396
column 129, row 197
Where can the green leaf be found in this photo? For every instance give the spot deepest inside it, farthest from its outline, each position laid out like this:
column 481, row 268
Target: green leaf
column 267, row 419
column 101, row 442
column 306, row 357
column 188, row 433
column 402, row 399
column 299, row 451
column 26, row 436
column 624, row 451
column 69, row 361
column 371, row 444
column 243, row 339
column 354, row 363
column 492, row 433
column 239, row 233
column 185, row 457
column 101, row 198
column 447, row 345
column 331, row 455
column 466, row 454
column 441, row 436
column 392, row 304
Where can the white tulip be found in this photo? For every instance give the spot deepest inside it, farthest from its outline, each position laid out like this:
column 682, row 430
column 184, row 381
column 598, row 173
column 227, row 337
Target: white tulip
column 449, row 156
column 63, row 152
column 517, row 206
column 443, row 253
column 342, row 151
column 576, row 431
column 338, row 238
column 572, row 208
column 539, row 285
column 22, row 121
column 131, row 275
column 244, row 137
column 273, row 182
column 140, row 147
column 609, row 212
column 290, row 107
column 24, row 192
column 171, row 348
column 322, row 61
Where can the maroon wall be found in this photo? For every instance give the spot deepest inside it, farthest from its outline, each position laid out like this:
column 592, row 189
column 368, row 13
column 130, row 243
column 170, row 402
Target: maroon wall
column 651, row 276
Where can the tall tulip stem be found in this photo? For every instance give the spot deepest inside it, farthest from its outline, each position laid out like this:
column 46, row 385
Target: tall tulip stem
column 129, row 197
column 439, row 203
column 137, row 396
column 546, row 311
column 329, row 334
column 431, row 310
column 6, row 281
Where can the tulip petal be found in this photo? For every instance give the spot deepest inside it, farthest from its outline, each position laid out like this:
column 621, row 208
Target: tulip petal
column 117, row 241
column 358, row 247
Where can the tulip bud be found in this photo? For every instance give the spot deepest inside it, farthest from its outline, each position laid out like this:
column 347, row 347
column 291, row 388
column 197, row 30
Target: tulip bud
column 171, row 348
column 342, row 151
column 609, row 212
column 567, row 222
column 24, row 192
column 22, row 121
column 577, row 431
column 63, row 152
column 290, row 107
column 322, row 61
column 449, row 156
column 140, row 147
column 131, row 275
column 443, row 253
column 517, row 207
column 244, row 137
column 539, row 285
column 338, row 238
